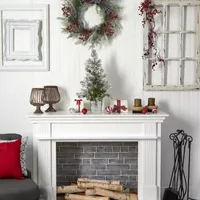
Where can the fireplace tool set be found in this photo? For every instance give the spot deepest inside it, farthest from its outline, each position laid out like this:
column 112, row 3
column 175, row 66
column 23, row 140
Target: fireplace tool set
column 180, row 179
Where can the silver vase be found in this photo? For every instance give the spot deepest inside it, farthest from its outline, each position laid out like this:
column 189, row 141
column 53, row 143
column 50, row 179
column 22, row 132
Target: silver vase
column 96, row 107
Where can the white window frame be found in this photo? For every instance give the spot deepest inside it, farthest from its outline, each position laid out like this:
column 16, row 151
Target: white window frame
column 147, row 67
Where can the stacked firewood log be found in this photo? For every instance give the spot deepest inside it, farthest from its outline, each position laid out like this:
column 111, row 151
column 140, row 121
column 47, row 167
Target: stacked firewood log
column 91, row 189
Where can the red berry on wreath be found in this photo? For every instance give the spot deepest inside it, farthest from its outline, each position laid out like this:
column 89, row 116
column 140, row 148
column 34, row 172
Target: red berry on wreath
column 84, row 111
column 144, row 110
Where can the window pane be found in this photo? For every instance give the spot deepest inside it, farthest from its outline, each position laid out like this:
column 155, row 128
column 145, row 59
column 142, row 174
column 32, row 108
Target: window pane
column 159, row 44
column 157, row 75
column 173, row 73
column 190, row 45
column 173, row 45
column 174, row 18
column 159, row 20
column 189, row 73
column 190, row 18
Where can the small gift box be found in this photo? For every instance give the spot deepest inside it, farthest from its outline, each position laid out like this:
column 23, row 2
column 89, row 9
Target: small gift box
column 78, row 105
column 119, row 106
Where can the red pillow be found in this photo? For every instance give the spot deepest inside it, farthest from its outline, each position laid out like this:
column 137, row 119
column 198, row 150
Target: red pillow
column 10, row 166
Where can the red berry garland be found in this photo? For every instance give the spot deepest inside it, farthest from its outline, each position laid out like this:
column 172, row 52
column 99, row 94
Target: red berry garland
column 148, row 10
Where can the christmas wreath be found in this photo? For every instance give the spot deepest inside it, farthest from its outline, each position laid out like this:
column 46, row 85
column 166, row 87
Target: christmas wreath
column 73, row 11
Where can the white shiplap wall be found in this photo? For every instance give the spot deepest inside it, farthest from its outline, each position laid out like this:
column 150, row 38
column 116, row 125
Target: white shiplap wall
column 123, row 64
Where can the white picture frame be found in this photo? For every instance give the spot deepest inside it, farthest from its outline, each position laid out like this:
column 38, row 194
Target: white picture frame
column 33, row 21
column 10, row 27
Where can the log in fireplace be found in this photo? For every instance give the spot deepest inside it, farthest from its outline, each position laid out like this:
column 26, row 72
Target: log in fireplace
column 93, row 189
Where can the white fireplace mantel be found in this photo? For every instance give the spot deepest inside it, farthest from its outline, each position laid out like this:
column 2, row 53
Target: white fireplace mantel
column 50, row 128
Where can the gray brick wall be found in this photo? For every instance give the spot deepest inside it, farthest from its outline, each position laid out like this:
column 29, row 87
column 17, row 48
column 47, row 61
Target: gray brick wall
column 98, row 160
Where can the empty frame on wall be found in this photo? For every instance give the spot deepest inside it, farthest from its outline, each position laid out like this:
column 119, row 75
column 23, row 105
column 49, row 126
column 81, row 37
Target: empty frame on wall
column 14, row 48
column 25, row 38
column 178, row 41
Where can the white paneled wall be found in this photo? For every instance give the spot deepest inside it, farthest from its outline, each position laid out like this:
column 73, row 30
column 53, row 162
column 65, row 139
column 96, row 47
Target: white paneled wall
column 122, row 62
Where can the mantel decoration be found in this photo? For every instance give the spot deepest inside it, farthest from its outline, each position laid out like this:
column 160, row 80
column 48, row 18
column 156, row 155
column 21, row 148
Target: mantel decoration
column 148, row 10
column 119, row 106
column 78, row 105
column 151, row 105
column 73, row 11
column 95, row 86
column 51, row 96
column 36, row 99
column 137, row 108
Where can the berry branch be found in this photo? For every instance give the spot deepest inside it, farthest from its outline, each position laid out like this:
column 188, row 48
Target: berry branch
column 148, row 10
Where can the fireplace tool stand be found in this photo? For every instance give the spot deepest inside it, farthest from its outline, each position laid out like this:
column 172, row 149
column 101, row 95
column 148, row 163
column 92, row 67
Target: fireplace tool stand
column 180, row 179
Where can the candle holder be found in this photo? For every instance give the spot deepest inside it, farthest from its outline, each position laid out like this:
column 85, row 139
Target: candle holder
column 51, row 96
column 137, row 108
column 36, row 99
column 151, row 104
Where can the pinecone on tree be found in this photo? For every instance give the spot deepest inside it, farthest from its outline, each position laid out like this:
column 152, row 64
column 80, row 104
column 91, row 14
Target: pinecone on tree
column 95, row 86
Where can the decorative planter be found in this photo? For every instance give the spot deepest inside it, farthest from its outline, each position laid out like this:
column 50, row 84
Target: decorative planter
column 96, row 107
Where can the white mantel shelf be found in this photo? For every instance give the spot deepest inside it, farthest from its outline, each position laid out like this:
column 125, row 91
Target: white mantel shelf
column 50, row 128
column 65, row 117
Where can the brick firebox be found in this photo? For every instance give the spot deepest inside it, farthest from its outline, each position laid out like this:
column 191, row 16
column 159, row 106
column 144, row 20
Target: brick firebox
column 97, row 160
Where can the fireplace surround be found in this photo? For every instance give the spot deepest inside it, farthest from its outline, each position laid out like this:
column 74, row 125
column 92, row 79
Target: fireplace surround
column 50, row 128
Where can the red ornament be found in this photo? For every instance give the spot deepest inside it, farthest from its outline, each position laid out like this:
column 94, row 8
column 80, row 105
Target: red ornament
column 144, row 110
column 84, row 111
column 78, row 102
column 154, row 110
column 108, row 110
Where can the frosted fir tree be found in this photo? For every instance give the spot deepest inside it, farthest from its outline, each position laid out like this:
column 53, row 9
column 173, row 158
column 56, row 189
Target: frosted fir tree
column 95, row 86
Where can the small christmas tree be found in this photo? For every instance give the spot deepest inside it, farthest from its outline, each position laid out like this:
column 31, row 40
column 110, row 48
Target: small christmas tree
column 94, row 86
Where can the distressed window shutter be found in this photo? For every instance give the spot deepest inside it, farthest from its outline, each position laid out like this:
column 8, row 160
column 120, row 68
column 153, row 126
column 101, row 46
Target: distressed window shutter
column 184, row 80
